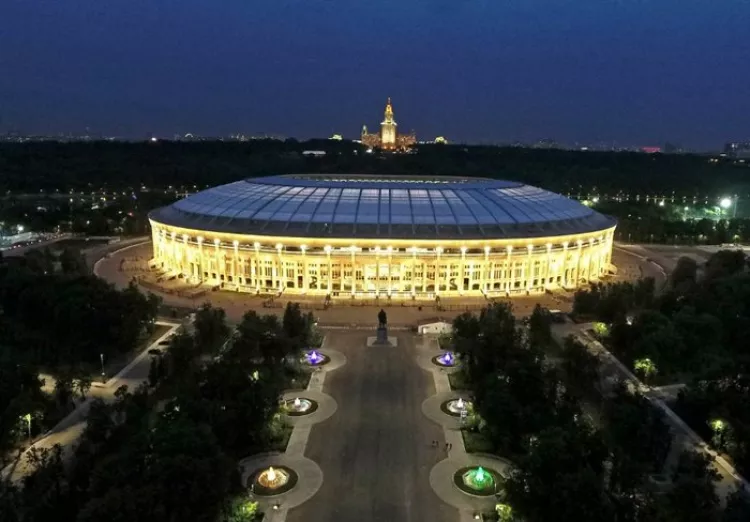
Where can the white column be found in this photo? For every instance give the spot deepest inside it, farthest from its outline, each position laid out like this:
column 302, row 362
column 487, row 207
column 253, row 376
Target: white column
column 390, row 270
column 438, row 251
column 256, row 272
column 330, row 268
column 305, row 270
column 201, row 268
column 354, row 272
column 462, row 273
column 510, row 276
column 235, row 280
column 414, row 271
column 530, row 268
column 281, row 270
column 485, row 269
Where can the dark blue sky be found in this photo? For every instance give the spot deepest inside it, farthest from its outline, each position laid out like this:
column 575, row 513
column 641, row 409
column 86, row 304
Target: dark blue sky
column 634, row 71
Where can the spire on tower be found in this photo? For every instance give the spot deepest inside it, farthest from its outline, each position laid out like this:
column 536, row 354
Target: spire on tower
column 388, row 111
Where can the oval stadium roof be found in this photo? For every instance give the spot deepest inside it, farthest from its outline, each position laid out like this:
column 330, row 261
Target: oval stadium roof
column 363, row 206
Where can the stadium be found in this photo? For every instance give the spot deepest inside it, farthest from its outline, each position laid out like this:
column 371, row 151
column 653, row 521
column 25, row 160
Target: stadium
column 366, row 236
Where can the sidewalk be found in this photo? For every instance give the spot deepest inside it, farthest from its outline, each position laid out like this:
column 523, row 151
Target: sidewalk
column 611, row 367
column 441, row 475
column 68, row 431
column 310, row 475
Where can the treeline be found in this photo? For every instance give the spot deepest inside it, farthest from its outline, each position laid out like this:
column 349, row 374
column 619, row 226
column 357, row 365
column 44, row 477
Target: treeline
column 168, row 450
column 696, row 332
column 572, row 461
column 55, row 314
column 31, row 167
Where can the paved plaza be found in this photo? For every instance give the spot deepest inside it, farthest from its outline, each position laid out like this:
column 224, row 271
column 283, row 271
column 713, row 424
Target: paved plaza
column 376, row 451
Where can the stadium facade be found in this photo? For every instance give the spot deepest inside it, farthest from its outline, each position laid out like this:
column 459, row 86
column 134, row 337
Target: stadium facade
column 364, row 236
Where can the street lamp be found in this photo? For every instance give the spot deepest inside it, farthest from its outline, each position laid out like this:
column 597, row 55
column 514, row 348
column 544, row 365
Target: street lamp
column 27, row 418
column 101, row 358
column 727, row 202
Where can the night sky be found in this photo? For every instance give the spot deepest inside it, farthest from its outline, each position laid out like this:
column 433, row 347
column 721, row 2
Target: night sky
column 637, row 72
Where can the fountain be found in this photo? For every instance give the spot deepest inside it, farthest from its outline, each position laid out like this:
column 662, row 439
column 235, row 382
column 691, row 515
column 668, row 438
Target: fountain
column 448, row 359
column 299, row 406
column 273, row 480
column 458, row 407
column 315, row 358
column 476, row 481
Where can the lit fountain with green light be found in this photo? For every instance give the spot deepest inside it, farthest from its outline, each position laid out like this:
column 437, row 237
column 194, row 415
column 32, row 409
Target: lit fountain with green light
column 478, row 479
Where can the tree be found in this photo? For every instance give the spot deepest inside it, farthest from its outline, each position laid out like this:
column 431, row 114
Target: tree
column 562, row 477
column 72, row 262
column 738, row 508
column 640, row 438
column 684, row 275
column 693, row 495
column 211, row 330
column 153, row 372
column 64, row 389
column 540, row 332
column 181, row 353
column 580, row 367
column 724, row 263
column 82, row 384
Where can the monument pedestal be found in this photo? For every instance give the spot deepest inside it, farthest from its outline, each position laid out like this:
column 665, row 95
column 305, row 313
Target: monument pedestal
column 381, row 338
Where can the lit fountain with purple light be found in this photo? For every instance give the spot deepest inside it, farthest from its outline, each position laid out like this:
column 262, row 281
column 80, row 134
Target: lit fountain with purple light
column 447, row 359
column 315, row 358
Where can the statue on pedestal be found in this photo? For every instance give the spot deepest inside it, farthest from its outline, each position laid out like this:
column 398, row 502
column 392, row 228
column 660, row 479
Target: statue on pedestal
column 382, row 335
column 382, row 319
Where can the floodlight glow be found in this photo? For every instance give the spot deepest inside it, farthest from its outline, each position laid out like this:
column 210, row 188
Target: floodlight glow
column 725, row 203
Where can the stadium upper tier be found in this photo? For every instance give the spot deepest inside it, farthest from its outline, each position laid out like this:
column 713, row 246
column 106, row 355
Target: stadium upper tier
column 364, row 206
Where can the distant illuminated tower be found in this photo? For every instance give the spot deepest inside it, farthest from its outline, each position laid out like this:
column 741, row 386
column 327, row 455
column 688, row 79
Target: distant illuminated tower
column 388, row 138
column 388, row 128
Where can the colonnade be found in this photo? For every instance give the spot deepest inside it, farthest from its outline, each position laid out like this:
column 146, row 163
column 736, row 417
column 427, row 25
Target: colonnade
column 376, row 268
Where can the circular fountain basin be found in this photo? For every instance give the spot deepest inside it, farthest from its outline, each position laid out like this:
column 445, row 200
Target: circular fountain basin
column 477, row 480
column 315, row 359
column 273, row 480
column 455, row 407
column 299, row 406
column 445, row 360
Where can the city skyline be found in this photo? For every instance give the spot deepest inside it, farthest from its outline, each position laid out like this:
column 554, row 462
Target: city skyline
column 479, row 72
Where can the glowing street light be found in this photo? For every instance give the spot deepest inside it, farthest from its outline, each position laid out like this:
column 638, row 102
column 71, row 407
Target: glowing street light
column 725, row 203
column 27, row 418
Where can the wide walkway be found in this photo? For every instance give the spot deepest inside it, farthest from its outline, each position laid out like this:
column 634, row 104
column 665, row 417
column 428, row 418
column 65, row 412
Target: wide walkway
column 67, row 432
column 375, row 452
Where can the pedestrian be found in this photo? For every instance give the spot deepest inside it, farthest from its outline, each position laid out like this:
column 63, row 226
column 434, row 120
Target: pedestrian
column 450, row 446
column 446, row 446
